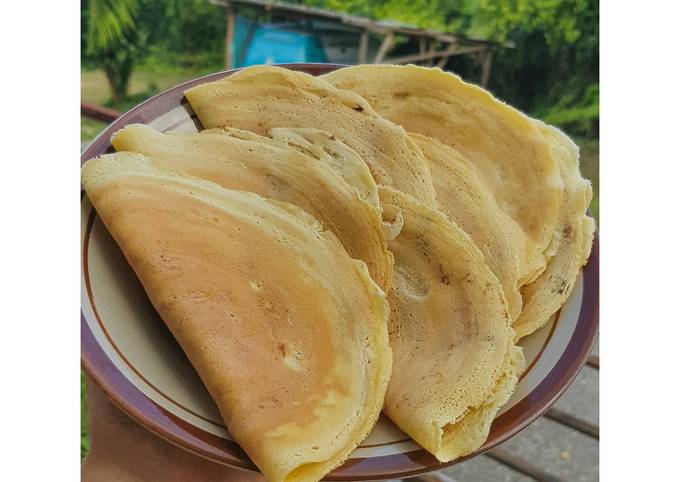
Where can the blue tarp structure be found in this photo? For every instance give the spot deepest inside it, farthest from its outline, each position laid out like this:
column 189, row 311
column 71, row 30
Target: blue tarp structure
column 277, row 31
column 268, row 43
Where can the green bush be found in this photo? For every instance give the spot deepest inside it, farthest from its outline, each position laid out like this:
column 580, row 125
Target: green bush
column 553, row 70
column 580, row 117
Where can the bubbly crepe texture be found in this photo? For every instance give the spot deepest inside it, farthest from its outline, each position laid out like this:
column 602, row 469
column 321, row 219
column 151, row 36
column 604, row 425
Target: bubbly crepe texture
column 530, row 169
column 455, row 362
column 261, row 98
column 467, row 200
column 572, row 243
column 305, row 167
column 506, row 146
column 286, row 331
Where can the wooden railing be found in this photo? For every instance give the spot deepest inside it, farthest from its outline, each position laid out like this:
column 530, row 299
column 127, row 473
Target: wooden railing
column 98, row 112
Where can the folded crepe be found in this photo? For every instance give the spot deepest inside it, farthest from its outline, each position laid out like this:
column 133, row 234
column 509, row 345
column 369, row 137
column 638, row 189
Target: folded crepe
column 455, row 362
column 285, row 329
column 513, row 155
column 572, row 244
column 261, row 98
column 464, row 196
column 305, row 167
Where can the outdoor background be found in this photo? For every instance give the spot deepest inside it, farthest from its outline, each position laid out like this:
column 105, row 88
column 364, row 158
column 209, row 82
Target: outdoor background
column 132, row 49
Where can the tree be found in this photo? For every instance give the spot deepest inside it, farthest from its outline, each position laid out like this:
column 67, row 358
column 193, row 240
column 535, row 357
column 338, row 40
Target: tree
column 553, row 71
column 110, row 40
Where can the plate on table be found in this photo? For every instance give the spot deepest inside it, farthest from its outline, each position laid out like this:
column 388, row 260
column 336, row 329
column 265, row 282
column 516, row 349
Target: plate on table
column 128, row 351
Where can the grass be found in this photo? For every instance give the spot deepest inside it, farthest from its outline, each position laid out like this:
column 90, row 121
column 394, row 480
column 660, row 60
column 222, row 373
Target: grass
column 590, row 168
column 146, row 81
column 84, row 425
column 89, row 129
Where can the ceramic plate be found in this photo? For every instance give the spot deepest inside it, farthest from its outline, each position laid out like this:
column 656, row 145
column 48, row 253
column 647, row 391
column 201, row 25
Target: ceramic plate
column 127, row 350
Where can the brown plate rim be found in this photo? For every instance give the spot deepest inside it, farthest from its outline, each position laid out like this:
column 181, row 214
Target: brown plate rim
column 138, row 406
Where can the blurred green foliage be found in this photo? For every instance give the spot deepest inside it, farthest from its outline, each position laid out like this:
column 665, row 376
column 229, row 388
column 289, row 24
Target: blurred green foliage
column 578, row 115
column 552, row 72
column 84, row 435
column 109, row 22
column 110, row 39
column 117, row 35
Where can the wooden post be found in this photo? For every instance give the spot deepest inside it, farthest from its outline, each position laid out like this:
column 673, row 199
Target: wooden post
column 442, row 61
column 445, row 58
column 384, row 48
column 487, row 56
column 363, row 46
column 431, row 50
column 229, row 39
column 98, row 112
column 422, row 45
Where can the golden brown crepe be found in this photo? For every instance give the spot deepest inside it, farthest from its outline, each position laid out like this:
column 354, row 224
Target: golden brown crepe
column 508, row 149
column 517, row 159
column 572, row 243
column 455, row 362
column 305, row 167
column 464, row 196
column 285, row 329
column 261, row 98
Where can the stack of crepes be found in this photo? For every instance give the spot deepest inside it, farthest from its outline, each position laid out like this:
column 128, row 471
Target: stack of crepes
column 376, row 238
